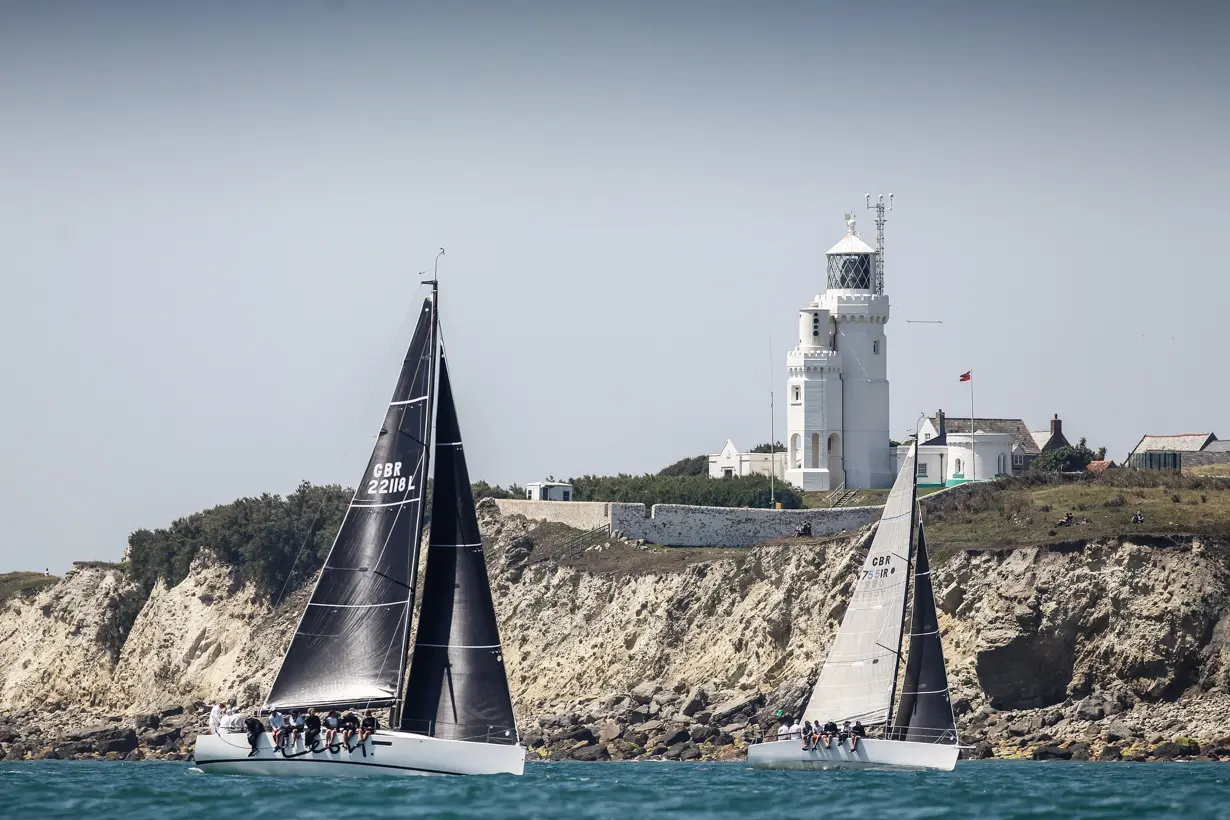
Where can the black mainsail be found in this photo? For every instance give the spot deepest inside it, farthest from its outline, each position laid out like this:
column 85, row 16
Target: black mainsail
column 925, row 714
column 350, row 645
column 457, row 687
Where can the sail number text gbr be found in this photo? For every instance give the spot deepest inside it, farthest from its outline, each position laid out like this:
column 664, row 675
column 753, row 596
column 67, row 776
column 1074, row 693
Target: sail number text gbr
column 387, row 478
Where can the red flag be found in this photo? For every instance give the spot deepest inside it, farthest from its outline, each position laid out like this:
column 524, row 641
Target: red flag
column 967, row 375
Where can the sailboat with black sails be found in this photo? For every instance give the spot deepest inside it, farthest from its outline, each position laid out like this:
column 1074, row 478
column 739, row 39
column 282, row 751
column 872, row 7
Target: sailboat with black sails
column 451, row 710
column 859, row 676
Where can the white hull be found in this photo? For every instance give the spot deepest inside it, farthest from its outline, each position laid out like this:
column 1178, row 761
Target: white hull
column 389, row 754
column 871, row 754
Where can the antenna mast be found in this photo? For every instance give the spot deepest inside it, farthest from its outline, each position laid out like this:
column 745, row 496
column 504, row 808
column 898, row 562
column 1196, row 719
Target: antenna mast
column 880, row 207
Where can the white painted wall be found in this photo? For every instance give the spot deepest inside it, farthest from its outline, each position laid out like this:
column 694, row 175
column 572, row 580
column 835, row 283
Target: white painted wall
column 745, row 464
column 992, row 450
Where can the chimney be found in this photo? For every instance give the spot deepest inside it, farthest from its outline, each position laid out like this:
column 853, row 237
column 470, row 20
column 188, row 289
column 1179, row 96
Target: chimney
column 939, row 423
column 1056, row 426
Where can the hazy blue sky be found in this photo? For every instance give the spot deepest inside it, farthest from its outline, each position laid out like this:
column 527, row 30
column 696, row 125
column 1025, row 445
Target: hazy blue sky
column 212, row 217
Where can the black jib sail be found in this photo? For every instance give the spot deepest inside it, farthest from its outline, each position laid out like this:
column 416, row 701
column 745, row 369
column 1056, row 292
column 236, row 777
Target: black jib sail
column 349, row 646
column 457, row 688
column 925, row 714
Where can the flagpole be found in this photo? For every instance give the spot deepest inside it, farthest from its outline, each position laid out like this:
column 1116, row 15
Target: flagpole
column 973, row 452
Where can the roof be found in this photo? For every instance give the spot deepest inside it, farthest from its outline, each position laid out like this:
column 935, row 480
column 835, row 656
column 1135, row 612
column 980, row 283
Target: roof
column 1099, row 466
column 850, row 243
column 1040, row 437
column 1179, row 443
column 1218, row 446
column 545, row 483
column 1020, row 433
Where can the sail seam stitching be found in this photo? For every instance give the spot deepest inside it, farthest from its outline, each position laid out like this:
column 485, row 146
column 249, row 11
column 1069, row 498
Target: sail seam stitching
column 458, row 646
column 360, row 606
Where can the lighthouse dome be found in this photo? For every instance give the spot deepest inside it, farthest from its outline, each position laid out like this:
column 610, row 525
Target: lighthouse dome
column 850, row 262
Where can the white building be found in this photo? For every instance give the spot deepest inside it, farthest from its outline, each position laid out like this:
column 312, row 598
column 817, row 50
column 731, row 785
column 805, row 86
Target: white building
column 837, row 384
column 548, row 491
column 731, row 462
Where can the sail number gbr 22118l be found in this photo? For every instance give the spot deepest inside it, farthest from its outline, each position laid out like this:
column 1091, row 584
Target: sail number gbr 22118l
column 386, row 477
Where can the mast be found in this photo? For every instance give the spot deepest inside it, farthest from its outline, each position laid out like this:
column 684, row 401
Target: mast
column 905, row 597
column 434, row 346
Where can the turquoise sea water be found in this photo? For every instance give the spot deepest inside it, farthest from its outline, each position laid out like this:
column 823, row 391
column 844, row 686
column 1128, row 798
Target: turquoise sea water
column 580, row 791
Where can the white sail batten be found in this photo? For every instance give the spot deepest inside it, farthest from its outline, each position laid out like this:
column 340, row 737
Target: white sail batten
column 856, row 682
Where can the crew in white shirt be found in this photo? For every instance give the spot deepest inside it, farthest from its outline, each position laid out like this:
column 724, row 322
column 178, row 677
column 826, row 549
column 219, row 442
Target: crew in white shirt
column 215, row 719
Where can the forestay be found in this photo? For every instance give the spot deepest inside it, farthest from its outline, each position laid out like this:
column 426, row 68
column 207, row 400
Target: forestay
column 856, row 682
column 349, row 646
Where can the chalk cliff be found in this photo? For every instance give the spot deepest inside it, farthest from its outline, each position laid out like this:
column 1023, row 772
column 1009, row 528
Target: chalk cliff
column 618, row 650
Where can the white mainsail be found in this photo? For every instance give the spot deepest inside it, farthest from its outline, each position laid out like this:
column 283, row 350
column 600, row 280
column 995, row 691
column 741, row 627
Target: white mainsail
column 856, row 682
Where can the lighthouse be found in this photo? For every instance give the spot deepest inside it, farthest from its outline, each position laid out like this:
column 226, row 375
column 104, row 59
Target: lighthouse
column 837, row 377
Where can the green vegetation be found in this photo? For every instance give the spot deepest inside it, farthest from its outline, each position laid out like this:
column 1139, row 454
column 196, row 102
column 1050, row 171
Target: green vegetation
column 776, row 447
column 693, row 465
column 482, row 489
column 736, row 491
column 23, row 584
column 1067, row 459
column 260, row 536
column 1025, row 510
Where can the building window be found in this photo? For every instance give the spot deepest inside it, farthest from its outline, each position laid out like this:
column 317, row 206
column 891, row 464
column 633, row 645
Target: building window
column 956, row 467
column 728, row 472
column 922, row 470
column 796, row 392
column 875, row 347
column 1018, row 460
column 567, row 495
column 926, row 436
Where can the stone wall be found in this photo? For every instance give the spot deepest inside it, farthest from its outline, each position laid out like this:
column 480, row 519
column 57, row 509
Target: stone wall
column 679, row 525
column 1203, row 458
column 584, row 515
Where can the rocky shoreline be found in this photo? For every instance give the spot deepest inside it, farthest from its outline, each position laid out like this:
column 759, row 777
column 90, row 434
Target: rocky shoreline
column 700, row 724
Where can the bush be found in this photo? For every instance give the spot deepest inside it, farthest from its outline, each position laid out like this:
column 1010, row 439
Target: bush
column 1066, row 459
column 1115, row 501
column 693, row 465
column 260, row 536
column 737, row 491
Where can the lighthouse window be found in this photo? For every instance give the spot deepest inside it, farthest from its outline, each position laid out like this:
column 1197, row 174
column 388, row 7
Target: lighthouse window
column 815, row 333
column 875, row 347
column 796, row 393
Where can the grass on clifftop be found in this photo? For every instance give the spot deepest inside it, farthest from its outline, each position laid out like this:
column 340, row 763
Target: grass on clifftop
column 1023, row 510
column 23, row 584
column 1209, row 470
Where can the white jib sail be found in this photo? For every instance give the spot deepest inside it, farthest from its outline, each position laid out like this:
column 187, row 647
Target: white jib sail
column 856, row 682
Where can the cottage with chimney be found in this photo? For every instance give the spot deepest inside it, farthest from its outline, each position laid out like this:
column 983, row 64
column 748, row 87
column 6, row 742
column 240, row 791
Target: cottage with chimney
column 954, row 450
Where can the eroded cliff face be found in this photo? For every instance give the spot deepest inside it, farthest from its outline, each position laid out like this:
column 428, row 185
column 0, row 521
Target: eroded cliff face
column 208, row 638
column 1116, row 644
column 55, row 649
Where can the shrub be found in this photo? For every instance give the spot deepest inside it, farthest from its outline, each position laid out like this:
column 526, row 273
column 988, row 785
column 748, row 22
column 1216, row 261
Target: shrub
column 737, row 491
column 1115, row 501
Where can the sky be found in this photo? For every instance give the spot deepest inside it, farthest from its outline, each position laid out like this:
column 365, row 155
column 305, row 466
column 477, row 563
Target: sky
column 214, row 217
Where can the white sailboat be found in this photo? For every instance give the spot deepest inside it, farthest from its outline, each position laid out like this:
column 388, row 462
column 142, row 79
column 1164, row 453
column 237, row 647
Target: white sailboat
column 859, row 676
column 451, row 709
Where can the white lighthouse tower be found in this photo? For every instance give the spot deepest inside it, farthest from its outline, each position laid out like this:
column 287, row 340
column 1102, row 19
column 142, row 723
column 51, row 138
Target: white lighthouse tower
column 837, row 378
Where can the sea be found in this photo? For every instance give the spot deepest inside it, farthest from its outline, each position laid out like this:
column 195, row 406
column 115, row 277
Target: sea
column 984, row 790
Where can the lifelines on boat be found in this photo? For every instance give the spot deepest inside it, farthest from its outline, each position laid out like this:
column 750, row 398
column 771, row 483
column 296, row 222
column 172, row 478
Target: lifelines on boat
column 353, row 649
column 857, row 685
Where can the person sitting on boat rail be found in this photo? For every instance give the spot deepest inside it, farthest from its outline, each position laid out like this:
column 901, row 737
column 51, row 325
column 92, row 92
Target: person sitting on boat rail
column 350, row 725
column 806, row 734
column 856, row 734
column 783, row 729
column 311, row 728
column 292, row 728
column 333, row 722
column 828, row 734
column 277, row 727
column 796, row 731
column 368, row 726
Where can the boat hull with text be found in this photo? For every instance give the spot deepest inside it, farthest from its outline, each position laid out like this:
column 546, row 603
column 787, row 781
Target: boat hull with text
column 388, row 754
column 870, row 754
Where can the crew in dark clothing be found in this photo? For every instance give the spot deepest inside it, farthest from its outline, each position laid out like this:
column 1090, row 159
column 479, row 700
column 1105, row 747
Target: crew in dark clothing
column 311, row 729
column 350, row 725
column 857, row 733
column 255, row 729
column 369, row 725
column 828, row 734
